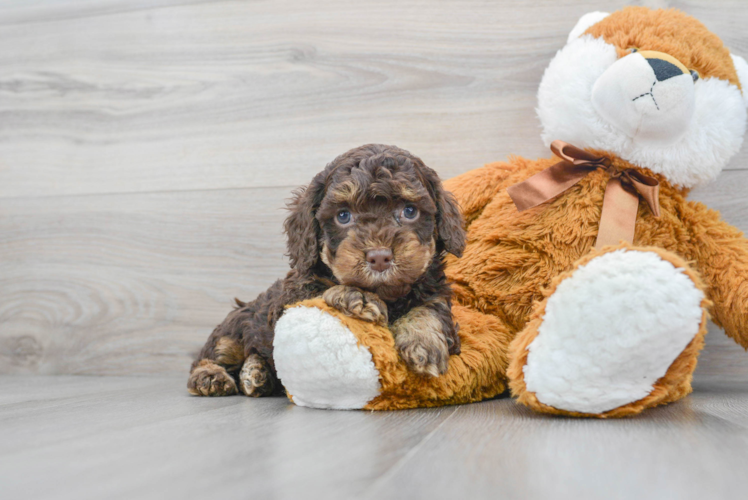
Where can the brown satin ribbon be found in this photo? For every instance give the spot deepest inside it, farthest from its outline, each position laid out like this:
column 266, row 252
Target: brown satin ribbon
column 621, row 201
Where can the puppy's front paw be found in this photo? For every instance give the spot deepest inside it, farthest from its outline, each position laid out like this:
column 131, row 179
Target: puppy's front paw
column 357, row 303
column 425, row 354
column 210, row 379
column 420, row 339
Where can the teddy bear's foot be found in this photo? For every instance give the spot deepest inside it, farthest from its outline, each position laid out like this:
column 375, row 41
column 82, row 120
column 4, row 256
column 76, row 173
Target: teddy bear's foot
column 320, row 362
column 617, row 334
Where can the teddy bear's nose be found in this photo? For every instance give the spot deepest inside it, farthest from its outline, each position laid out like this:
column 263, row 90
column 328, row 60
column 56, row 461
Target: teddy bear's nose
column 664, row 65
column 663, row 69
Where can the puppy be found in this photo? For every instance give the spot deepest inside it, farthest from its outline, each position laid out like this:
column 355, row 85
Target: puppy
column 369, row 235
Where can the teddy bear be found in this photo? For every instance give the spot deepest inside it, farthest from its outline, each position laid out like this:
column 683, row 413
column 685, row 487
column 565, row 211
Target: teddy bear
column 588, row 277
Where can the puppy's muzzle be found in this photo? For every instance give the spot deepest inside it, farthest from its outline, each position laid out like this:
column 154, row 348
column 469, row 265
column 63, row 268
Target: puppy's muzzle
column 379, row 259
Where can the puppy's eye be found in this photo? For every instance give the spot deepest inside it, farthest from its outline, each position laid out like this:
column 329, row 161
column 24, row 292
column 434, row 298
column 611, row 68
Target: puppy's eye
column 344, row 217
column 410, row 212
column 694, row 75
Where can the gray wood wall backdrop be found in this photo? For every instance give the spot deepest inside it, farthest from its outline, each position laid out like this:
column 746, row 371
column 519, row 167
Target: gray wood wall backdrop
column 147, row 147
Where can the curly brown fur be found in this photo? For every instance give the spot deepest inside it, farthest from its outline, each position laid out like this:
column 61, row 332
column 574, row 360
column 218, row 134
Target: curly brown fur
column 370, row 232
column 246, row 331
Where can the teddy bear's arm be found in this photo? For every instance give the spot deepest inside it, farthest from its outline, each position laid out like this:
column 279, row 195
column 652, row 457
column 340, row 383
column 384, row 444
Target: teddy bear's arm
column 476, row 188
column 721, row 253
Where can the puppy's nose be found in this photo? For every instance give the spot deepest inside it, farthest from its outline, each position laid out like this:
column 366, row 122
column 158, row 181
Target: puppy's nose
column 379, row 259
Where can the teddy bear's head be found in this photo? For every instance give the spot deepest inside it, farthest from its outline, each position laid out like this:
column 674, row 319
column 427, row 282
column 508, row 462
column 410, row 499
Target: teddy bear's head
column 654, row 87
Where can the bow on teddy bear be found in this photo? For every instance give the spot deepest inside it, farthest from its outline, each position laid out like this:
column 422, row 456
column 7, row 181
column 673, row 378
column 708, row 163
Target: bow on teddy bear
column 571, row 329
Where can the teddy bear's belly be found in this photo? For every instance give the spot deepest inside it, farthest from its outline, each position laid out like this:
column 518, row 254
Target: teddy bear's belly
column 510, row 257
column 505, row 278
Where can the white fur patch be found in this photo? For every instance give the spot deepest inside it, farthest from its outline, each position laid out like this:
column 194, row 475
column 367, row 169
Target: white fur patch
column 610, row 331
column 741, row 67
column 565, row 109
column 585, row 22
column 320, row 362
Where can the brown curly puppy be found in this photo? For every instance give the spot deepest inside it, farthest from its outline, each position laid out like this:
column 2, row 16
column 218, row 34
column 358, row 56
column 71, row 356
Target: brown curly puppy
column 369, row 235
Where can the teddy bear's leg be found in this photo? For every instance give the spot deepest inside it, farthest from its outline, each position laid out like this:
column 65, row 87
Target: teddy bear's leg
column 326, row 359
column 615, row 335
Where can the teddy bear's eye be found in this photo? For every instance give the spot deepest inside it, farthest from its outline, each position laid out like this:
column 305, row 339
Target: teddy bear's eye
column 694, row 75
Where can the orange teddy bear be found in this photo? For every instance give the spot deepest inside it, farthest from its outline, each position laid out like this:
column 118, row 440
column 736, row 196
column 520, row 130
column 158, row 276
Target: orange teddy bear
column 571, row 292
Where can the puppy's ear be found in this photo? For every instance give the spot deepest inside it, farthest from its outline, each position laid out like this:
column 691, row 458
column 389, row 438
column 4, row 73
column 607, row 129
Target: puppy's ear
column 449, row 222
column 302, row 228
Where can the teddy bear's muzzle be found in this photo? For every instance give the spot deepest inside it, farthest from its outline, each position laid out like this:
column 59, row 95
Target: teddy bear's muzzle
column 647, row 95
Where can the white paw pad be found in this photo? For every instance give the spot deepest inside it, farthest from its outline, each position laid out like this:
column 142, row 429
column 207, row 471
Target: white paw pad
column 320, row 363
column 610, row 331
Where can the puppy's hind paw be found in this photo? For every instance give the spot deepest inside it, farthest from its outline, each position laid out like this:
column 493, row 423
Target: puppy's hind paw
column 255, row 379
column 210, row 379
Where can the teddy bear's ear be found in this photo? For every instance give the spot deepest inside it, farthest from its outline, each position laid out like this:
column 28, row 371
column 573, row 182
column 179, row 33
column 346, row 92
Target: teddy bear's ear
column 585, row 22
column 742, row 68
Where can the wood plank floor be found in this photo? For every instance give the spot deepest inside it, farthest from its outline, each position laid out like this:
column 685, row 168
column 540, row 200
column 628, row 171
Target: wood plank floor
column 82, row 437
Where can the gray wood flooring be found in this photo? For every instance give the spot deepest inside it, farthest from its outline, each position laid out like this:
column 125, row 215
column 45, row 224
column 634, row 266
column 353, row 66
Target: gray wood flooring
column 99, row 437
column 146, row 150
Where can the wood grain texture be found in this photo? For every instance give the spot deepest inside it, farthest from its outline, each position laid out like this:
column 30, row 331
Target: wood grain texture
column 147, row 148
column 113, row 97
column 110, row 437
column 130, row 283
column 152, row 440
column 686, row 450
